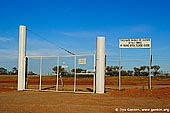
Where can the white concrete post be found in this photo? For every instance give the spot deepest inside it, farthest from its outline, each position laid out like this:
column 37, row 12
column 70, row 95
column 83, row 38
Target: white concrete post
column 100, row 64
column 21, row 58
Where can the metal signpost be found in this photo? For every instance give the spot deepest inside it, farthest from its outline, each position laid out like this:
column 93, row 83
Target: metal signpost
column 144, row 43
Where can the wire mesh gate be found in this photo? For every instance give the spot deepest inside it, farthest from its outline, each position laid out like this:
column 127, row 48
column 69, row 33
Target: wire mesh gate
column 75, row 73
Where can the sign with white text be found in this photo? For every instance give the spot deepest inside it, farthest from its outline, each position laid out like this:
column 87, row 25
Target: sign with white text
column 135, row 43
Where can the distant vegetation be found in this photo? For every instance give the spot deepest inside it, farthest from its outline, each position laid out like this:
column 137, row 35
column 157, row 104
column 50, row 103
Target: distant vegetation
column 137, row 71
column 63, row 72
column 4, row 71
column 13, row 71
column 110, row 71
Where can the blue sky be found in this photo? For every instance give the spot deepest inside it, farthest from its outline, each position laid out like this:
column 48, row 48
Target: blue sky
column 75, row 24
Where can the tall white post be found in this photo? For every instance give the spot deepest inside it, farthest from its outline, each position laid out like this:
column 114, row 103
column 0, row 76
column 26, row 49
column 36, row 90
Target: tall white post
column 100, row 64
column 21, row 58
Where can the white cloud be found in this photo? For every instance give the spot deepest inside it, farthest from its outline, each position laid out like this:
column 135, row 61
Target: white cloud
column 140, row 28
column 8, row 54
column 46, row 52
column 81, row 34
column 8, row 58
column 4, row 39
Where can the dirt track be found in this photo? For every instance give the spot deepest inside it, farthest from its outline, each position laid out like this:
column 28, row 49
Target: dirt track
column 135, row 98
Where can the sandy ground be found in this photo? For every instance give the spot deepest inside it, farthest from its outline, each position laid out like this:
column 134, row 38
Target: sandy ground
column 134, row 97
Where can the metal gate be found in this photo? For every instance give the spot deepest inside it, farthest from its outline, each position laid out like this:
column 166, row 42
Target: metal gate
column 73, row 73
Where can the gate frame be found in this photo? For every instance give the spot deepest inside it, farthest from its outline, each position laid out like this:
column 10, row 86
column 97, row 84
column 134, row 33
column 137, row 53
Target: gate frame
column 100, row 62
column 75, row 74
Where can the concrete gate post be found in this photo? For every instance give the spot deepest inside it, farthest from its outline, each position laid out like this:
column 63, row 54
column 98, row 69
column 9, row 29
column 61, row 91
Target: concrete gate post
column 21, row 58
column 100, row 64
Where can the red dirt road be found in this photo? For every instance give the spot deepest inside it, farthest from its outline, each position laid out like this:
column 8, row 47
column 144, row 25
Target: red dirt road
column 134, row 97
